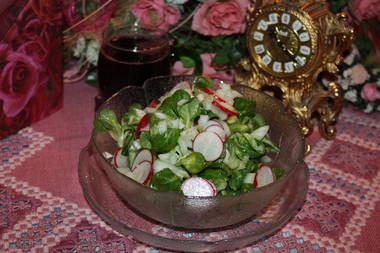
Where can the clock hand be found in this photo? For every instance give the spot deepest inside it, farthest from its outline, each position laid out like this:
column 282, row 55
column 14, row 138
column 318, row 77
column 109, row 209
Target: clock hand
column 283, row 47
column 282, row 44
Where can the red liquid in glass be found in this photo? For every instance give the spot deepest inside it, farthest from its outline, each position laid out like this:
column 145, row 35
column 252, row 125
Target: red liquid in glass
column 130, row 60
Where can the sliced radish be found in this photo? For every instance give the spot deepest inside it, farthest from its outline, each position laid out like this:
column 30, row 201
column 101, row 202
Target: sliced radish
column 264, row 176
column 142, row 155
column 142, row 172
column 221, row 114
column 142, row 124
column 213, row 122
column 218, row 129
column 209, row 144
column 225, row 127
column 198, row 187
column 229, row 109
column 208, row 91
column 184, row 85
column 154, row 103
column 119, row 160
column 250, row 178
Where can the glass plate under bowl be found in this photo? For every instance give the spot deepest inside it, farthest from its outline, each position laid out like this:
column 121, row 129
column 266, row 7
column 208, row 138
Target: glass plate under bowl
column 106, row 203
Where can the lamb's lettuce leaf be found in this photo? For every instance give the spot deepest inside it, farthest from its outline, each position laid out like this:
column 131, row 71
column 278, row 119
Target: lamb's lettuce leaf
column 162, row 141
column 166, row 180
column 121, row 132
column 217, row 176
column 189, row 111
column 245, row 107
column 193, row 162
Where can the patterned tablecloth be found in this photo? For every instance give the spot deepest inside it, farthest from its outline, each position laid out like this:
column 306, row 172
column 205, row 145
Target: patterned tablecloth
column 42, row 208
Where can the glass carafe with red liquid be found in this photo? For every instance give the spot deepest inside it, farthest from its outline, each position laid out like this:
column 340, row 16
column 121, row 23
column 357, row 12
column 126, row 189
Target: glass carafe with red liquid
column 129, row 55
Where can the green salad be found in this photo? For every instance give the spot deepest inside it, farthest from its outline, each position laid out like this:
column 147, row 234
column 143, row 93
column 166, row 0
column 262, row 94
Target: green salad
column 197, row 139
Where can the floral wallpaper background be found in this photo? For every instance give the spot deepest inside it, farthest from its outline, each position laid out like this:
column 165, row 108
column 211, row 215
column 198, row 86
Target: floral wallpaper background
column 31, row 63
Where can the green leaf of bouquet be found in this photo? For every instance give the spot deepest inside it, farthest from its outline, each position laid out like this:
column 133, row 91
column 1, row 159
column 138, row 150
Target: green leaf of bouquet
column 91, row 6
column 187, row 61
column 221, row 57
column 337, row 5
column 375, row 27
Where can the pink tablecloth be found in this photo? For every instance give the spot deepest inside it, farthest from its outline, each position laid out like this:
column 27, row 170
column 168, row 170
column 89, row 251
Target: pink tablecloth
column 42, row 208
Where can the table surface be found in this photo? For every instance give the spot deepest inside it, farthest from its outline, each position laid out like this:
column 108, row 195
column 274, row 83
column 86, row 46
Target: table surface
column 42, row 208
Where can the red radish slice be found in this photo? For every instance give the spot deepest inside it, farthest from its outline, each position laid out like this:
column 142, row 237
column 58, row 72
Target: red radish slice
column 213, row 186
column 209, row 144
column 198, row 187
column 154, row 103
column 225, row 127
column 142, row 124
column 142, row 155
column 229, row 109
column 208, row 91
column 213, row 122
column 119, row 160
column 250, row 178
column 142, row 172
column 264, row 176
column 221, row 114
column 218, row 130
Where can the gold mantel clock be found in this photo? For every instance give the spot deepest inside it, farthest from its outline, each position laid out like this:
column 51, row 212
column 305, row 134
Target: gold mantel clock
column 289, row 44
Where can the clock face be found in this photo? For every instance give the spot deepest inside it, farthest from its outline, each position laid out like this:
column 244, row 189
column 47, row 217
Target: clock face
column 282, row 42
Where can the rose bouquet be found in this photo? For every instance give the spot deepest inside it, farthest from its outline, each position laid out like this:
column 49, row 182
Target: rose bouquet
column 359, row 74
column 209, row 38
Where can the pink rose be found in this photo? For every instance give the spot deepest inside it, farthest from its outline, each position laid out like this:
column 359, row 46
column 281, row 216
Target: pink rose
column 358, row 74
column 210, row 71
column 156, row 14
column 220, row 17
column 19, row 79
column 31, row 113
column 49, row 11
column 178, row 69
column 366, row 9
column 370, row 92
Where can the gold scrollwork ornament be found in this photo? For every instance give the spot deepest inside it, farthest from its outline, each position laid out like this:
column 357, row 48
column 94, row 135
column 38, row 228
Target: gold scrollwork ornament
column 289, row 44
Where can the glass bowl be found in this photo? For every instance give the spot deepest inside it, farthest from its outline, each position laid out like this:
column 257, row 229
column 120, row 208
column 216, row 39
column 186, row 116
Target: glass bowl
column 177, row 210
column 113, row 210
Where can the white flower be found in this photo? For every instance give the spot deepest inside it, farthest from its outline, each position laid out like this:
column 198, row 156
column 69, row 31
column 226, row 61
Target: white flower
column 79, row 47
column 378, row 108
column 351, row 96
column 369, row 108
column 93, row 52
column 344, row 83
column 351, row 57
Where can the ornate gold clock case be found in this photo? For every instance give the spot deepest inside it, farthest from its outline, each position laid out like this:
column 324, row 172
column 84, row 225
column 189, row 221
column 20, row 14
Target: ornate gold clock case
column 289, row 44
